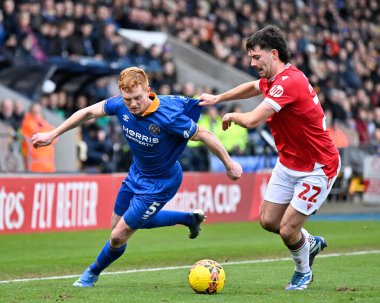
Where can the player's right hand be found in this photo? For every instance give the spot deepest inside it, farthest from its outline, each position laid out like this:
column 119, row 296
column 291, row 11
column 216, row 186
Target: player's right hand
column 42, row 139
column 235, row 172
column 208, row 99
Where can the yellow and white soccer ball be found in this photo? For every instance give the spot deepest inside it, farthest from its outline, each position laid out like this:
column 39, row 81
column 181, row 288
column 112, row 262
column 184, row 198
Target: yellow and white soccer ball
column 207, row 277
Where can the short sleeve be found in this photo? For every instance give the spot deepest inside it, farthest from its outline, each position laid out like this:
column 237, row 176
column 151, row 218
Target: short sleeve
column 111, row 104
column 183, row 126
column 192, row 109
column 282, row 94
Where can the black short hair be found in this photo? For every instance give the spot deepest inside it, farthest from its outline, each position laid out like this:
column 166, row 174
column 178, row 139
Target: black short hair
column 268, row 38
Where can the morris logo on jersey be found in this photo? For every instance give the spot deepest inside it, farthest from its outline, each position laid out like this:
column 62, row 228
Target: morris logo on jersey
column 276, row 91
column 139, row 138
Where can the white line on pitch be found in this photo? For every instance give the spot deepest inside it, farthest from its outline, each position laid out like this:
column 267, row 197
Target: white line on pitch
column 356, row 253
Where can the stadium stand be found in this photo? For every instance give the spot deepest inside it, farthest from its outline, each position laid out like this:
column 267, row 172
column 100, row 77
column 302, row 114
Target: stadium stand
column 77, row 45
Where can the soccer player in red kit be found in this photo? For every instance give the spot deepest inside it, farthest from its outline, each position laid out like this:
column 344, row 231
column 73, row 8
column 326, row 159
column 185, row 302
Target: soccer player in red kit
column 308, row 161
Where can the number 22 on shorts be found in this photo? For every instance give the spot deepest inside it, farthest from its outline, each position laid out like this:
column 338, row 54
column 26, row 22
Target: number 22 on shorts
column 310, row 193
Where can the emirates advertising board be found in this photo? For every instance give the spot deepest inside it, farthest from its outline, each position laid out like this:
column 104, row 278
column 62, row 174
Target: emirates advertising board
column 46, row 203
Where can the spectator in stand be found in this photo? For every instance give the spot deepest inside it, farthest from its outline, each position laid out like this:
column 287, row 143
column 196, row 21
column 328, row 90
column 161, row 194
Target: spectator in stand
column 107, row 42
column 2, row 31
column 83, row 42
column 9, row 18
column 35, row 15
column 44, row 36
column 26, row 34
column 99, row 150
column 7, row 114
column 53, row 105
column 18, row 113
column 361, row 125
column 122, row 55
column 169, row 75
column 337, row 135
column 61, row 44
column 42, row 159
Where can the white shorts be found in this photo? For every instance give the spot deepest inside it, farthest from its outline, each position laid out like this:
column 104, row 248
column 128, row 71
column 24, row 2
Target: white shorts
column 305, row 191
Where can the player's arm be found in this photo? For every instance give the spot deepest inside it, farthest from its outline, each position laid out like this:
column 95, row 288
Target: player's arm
column 233, row 168
column 249, row 119
column 243, row 91
column 76, row 119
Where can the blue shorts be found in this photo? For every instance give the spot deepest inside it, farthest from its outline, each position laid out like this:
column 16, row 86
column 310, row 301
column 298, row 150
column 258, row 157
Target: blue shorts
column 140, row 199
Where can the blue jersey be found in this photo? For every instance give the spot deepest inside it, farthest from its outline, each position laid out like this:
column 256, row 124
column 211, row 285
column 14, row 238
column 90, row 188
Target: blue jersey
column 158, row 137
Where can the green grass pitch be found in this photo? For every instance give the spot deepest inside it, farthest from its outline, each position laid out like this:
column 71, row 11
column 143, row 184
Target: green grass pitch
column 340, row 276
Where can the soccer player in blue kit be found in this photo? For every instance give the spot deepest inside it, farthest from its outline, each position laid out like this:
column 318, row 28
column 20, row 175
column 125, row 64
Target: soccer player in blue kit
column 157, row 129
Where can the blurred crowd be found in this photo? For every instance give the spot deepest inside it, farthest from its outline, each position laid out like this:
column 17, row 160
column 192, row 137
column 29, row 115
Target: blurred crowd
column 335, row 43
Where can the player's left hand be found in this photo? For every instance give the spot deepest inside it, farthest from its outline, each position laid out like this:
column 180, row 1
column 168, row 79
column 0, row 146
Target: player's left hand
column 226, row 121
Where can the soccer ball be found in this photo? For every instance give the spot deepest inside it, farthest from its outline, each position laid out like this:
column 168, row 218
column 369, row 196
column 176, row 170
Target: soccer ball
column 207, row 277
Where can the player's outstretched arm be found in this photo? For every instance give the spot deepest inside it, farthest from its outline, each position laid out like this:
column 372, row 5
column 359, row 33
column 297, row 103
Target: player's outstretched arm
column 76, row 119
column 243, row 91
column 234, row 170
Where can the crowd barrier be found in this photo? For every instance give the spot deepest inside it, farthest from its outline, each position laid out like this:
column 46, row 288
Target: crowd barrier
column 43, row 203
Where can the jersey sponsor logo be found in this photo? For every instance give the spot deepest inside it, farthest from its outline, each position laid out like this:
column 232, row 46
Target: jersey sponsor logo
column 139, row 138
column 276, row 91
column 125, row 118
column 154, row 129
column 186, row 133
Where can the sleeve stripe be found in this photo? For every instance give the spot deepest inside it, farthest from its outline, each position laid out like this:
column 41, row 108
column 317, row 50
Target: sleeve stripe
column 103, row 109
column 273, row 103
column 196, row 132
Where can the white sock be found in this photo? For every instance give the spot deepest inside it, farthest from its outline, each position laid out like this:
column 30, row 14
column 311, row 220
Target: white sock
column 305, row 232
column 301, row 256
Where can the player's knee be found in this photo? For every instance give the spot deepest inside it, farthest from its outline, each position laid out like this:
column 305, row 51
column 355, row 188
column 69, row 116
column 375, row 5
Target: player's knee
column 117, row 241
column 268, row 224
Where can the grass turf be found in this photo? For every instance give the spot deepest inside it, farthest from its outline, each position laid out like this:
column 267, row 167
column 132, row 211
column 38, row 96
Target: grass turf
column 337, row 279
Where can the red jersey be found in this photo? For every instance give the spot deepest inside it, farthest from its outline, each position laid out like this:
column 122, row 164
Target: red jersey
column 299, row 126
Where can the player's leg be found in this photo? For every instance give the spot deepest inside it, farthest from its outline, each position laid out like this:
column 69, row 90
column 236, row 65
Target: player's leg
column 115, row 218
column 112, row 250
column 270, row 218
column 192, row 220
column 275, row 211
column 310, row 192
column 271, row 215
column 162, row 192
column 299, row 247
column 278, row 195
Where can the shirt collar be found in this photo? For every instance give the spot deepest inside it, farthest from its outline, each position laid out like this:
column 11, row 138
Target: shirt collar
column 153, row 106
column 274, row 77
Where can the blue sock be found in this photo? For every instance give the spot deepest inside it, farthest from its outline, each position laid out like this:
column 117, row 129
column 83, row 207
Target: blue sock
column 169, row 218
column 106, row 257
